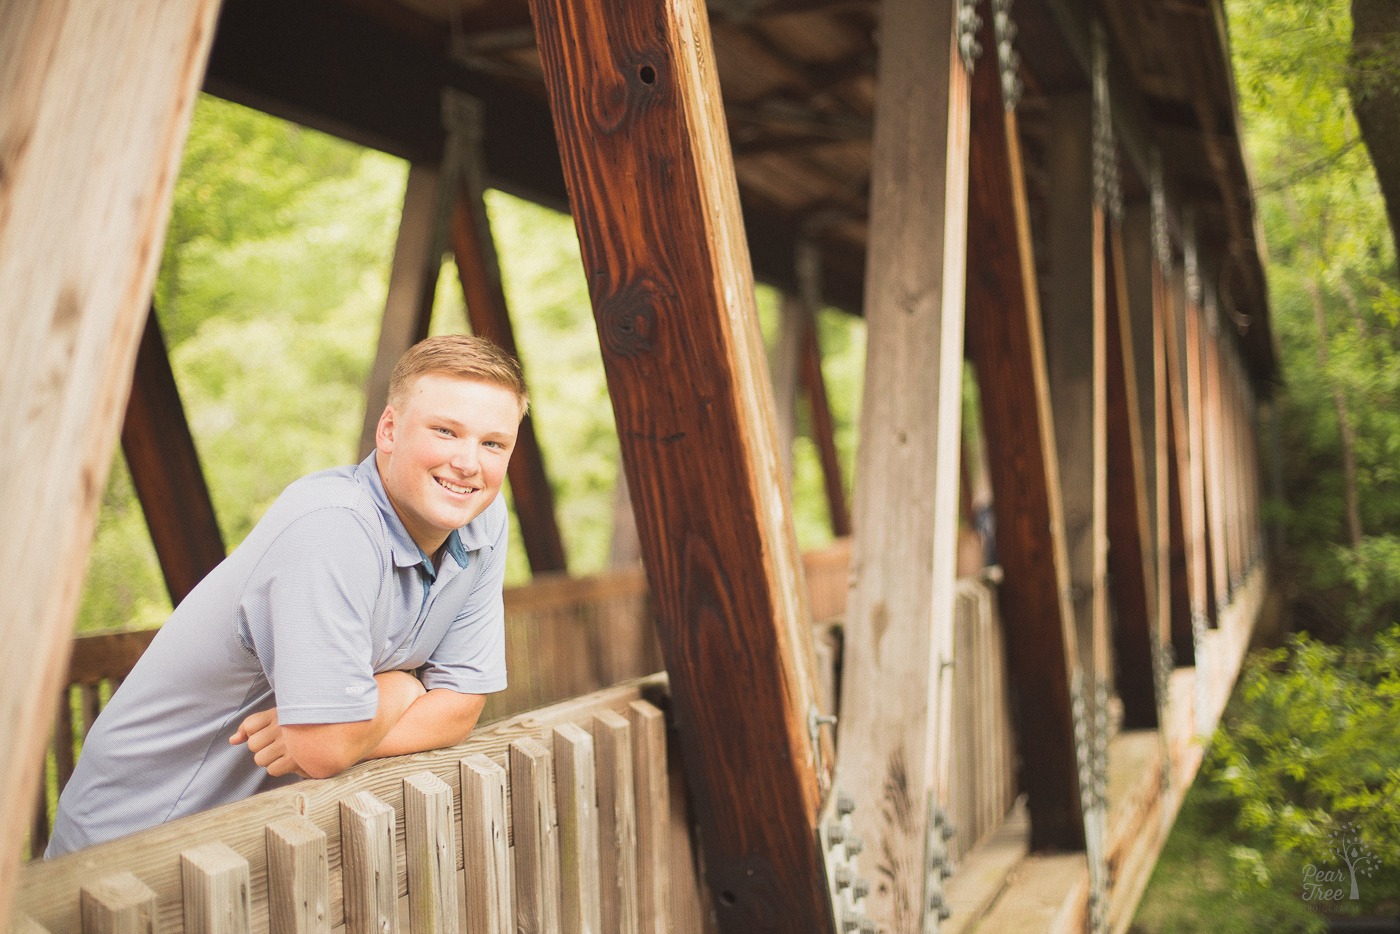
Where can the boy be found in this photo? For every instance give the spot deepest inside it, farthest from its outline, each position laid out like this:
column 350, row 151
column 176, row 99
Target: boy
column 296, row 656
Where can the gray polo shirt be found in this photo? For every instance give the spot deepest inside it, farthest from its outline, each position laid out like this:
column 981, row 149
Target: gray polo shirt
column 327, row 591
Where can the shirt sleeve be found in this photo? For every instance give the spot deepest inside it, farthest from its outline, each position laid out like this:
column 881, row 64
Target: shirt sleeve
column 471, row 658
column 308, row 607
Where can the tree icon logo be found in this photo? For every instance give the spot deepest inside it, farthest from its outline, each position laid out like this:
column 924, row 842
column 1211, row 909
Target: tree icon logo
column 1347, row 847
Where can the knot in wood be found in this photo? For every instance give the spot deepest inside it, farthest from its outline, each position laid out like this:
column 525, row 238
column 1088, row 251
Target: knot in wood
column 627, row 321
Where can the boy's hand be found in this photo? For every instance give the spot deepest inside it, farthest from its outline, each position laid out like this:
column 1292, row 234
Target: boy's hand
column 263, row 736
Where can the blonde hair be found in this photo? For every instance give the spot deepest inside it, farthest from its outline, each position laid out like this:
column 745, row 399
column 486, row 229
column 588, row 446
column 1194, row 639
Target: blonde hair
column 461, row 355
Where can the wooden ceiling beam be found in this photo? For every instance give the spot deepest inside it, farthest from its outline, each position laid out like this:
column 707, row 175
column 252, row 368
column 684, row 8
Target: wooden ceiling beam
column 640, row 124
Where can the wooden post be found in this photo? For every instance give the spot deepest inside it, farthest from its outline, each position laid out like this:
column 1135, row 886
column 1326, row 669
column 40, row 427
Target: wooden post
column 160, row 452
column 430, row 855
column 298, row 878
column 94, row 105
column 367, row 865
column 617, row 822
column 653, row 812
column 1005, row 342
column 896, row 682
column 575, row 780
column 118, row 904
column 478, row 269
column 1129, row 536
column 639, row 119
column 535, row 831
column 215, row 885
column 412, row 285
column 486, row 864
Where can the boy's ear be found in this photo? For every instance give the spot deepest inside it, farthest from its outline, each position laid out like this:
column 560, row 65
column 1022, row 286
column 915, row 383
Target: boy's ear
column 384, row 432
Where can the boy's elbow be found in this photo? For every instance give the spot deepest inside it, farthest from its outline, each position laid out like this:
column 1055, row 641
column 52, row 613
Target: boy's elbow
column 323, row 751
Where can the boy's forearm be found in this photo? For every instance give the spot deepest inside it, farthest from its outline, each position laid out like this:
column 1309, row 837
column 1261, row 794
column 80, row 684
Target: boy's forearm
column 438, row 718
column 323, row 750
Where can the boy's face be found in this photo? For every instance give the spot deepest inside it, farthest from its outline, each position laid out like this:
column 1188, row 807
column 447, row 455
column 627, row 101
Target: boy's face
column 443, row 451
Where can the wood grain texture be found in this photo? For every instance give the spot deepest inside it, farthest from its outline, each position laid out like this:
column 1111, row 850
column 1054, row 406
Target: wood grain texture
column 215, row 884
column 653, row 814
column 535, row 831
column 617, row 822
column 367, row 864
column 118, row 904
column 298, row 878
column 896, row 704
column 408, row 307
column 576, row 787
column 95, row 102
column 638, row 116
column 488, row 873
column 165, row 470
column 824, row 433
column 430, row 855
column 1005, row 340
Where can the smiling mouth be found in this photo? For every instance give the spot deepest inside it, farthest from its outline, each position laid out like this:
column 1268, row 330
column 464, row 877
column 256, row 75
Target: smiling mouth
column 452, row 487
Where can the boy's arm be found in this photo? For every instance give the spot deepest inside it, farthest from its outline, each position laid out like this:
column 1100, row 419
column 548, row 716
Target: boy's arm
column 439, row 718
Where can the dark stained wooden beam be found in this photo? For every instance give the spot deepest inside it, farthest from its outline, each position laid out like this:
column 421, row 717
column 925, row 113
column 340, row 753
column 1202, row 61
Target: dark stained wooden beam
column 1006, row 345
column 824, row 432
column 638, row 115
column 896, row 705
column 1129, row 542
column 94, row 107
column 164, row 464
column 480, row 274
column 1187, row 594
column 408, row 307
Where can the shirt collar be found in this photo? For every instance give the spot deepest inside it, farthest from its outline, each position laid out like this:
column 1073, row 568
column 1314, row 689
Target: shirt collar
column 406, row 550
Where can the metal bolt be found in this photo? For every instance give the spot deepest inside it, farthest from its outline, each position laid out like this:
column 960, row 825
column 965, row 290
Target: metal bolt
column 949, row 831
column 860, row 889
column 946, row 870
column 842, row 877
column 854, row 845
column 835, row 832
column 845, row 804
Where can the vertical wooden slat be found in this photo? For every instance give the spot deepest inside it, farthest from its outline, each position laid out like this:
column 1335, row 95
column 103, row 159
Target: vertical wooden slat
column 1005, row 340
column 479, row 271
column 92, row 703
column 653, row 812
column 1129, row 537
column 639, row 118
column 617, row 822
column 576, row 784
column 215, row 885
column 535, row 831
column 64, row 759
column 95, row 102
column 430, row 855
column 824, row 432
column 367, row 865
column 164, row 464
column 896, row 695
column 408, row 307
column 118, row 904
column 298, row 878
column 485, row 848
column 783, row 365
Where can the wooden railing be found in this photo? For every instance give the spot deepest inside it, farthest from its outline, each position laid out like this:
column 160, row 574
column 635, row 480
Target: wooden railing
column 568, row 637
column 560, row 816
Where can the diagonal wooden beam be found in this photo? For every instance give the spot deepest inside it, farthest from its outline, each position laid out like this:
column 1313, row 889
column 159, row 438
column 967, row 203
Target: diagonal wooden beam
column 1129, row 541
column 638, row 116
column 824, row 431
column 95, row 103
column 896, row 685
column 479, row 271
column 160, row 452
column 1005, row 342
column 408, row 308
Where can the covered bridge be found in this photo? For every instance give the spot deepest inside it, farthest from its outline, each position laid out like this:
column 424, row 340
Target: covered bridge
column 1051, row 190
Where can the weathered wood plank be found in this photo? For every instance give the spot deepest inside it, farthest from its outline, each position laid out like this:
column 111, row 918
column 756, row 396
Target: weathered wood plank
column 1129, row 541
column 215, row 883
column 536, row 834
column 653, row 814
column 1006, row 344
column 298, row 878
column 896, row 692
column 164, row 464
column 408, row 307
column 485, row 849
column 118, row 904
column 479, row 271
column 367, row 827
column 576, row 786
column 639, row 118
column 617, row 822
column 430, row 854
column 94, row 105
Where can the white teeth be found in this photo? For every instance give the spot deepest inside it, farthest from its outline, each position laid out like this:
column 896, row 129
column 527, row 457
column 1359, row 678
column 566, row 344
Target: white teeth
column 452, row 487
